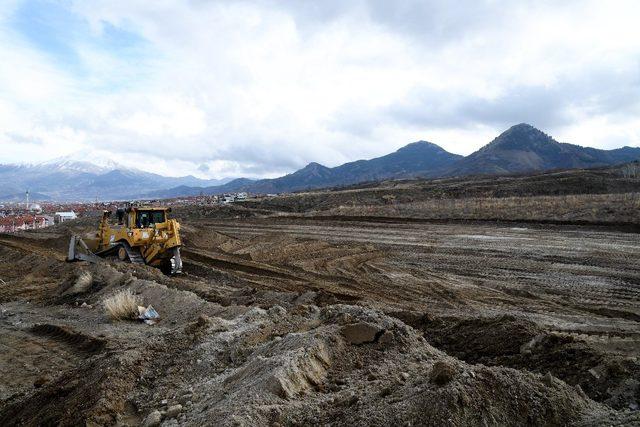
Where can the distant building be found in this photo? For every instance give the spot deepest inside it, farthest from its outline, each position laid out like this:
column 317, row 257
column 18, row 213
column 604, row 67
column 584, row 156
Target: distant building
column 241, row 196
column 34, row 207
column 64, row 216
column 12, row 224
column 48, row 220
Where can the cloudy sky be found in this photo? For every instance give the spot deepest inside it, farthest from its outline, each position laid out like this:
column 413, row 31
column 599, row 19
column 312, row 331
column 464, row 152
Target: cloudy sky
column 260, row 88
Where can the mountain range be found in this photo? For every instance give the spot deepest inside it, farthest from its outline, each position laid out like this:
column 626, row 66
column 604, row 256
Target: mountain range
column 66, row 179
column 520, row 149
column 419, row 156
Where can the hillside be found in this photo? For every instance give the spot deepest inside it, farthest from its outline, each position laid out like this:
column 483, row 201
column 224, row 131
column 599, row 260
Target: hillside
column 391, row 195
column 232, row 186
column 523, row 148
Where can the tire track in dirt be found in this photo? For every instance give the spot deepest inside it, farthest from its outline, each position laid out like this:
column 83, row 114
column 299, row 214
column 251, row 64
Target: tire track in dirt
column 276, row 278
column 38, row 360
column 78, row 341
column 489, row 269
column 20, row 244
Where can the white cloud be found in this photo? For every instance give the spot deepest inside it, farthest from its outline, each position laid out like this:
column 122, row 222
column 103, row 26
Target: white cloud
column 165, row 117
column 259, row 88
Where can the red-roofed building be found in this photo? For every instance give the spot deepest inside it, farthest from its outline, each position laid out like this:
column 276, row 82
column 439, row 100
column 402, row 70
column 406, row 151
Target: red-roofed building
column 11, row 224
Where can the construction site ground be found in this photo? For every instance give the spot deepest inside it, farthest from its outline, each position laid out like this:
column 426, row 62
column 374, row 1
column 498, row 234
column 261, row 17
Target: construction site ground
column 302, row 319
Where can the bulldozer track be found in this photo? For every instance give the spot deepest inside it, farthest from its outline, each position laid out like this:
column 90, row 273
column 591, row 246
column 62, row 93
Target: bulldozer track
column 134, row 255
column 78, row 341
column 282, row 277
column 226, row 263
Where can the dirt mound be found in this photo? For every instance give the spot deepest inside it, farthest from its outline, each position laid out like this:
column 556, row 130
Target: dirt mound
column 299, row 364
column 31, row 276
column 304, row 367
column 518, row 343
column 93, row 393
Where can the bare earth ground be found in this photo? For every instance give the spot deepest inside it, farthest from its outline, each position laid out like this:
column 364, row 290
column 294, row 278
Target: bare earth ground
column 308, row 320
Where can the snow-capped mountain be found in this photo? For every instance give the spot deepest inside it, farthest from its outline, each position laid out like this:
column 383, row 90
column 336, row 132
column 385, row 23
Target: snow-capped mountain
column 69, row 178
column 89, row 165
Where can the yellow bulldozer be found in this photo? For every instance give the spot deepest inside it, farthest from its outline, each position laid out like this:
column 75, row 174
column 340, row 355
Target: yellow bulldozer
column 142, row 235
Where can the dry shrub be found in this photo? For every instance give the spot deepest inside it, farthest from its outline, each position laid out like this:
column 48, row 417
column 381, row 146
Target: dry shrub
column 122, row 305
column 82, row 284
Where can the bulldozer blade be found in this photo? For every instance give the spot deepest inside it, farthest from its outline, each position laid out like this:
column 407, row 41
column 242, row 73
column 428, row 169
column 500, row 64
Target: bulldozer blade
column 74, row 255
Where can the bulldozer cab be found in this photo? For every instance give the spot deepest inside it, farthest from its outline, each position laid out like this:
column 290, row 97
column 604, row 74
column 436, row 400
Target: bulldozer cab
column 145, row 218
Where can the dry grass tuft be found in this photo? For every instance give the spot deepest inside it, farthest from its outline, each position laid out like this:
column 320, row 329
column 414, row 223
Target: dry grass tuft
column 122, row 305
column 83, row 282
